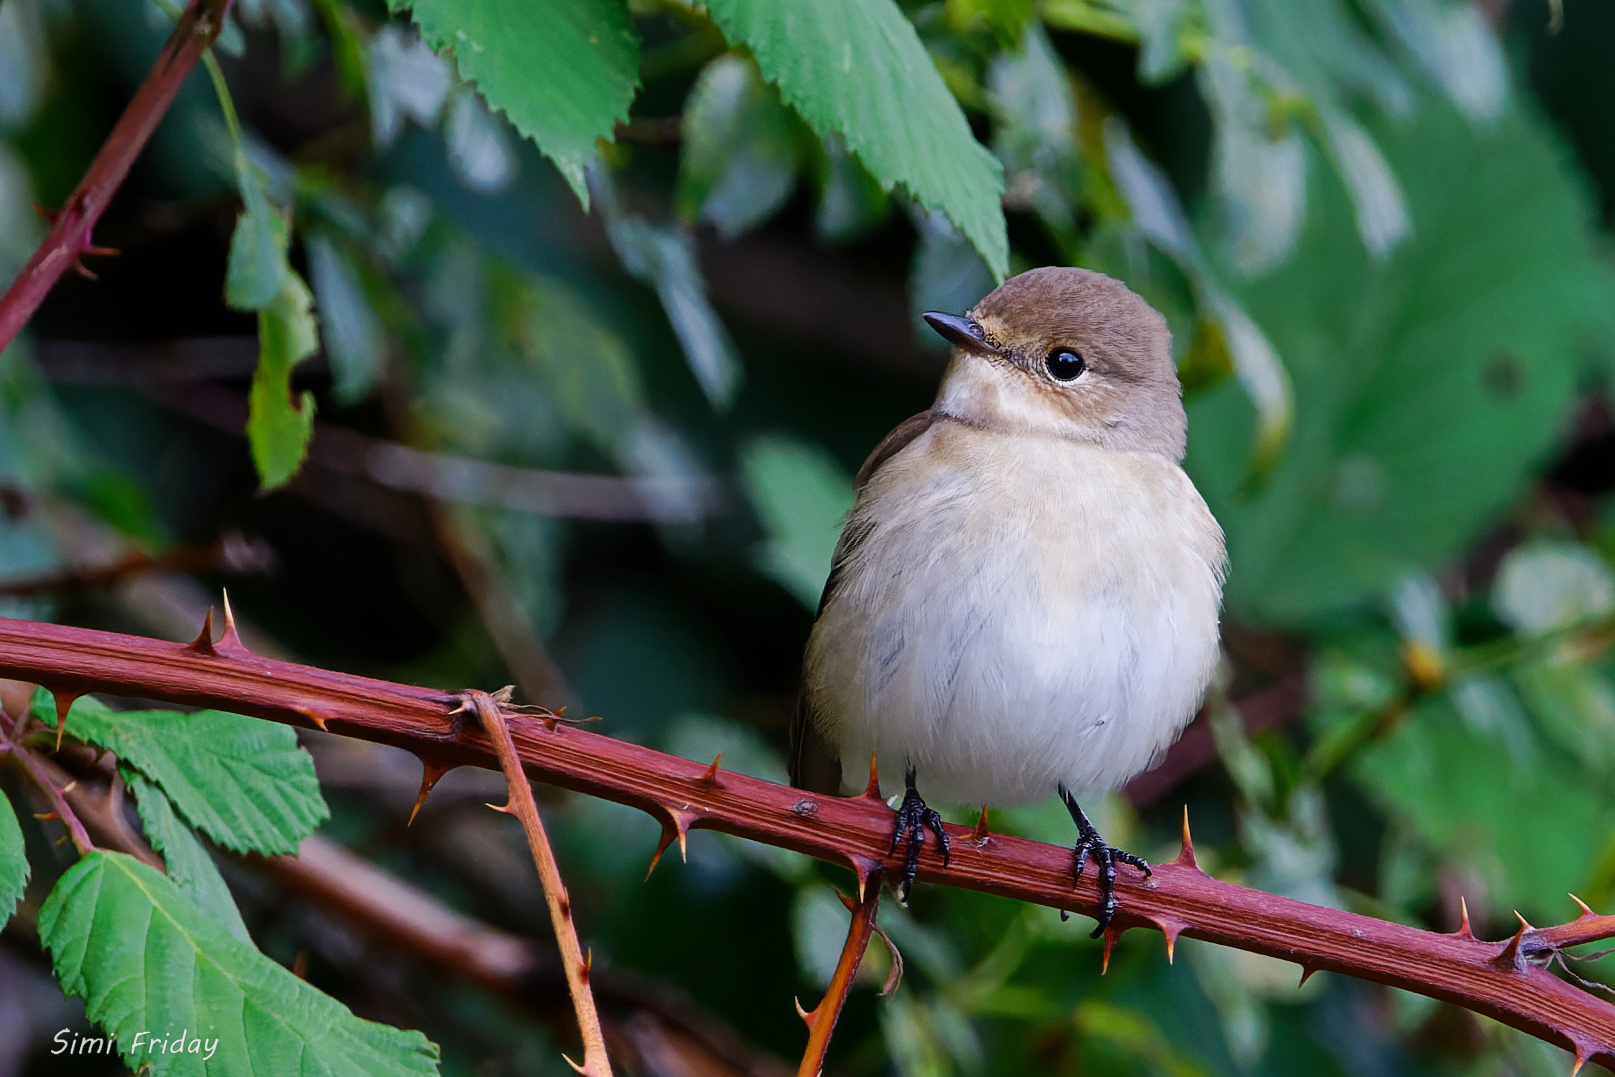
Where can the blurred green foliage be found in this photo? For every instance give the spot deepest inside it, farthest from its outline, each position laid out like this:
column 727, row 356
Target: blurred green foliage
column 636, row 287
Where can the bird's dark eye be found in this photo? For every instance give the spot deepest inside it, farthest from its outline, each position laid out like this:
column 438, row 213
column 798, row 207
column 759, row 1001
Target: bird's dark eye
column 1065, row 365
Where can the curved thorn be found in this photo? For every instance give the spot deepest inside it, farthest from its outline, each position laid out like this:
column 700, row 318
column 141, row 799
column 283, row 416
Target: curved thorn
column 1586, row 910
column 872, row 790
column 431, row 773
column 1464, row 929
column 861, row 868
column 502, row 809
column 1186, row 857
column 711, row 775
column 806, row 1015
column 203, row 643
column 231, row 640
column 1306, row 974
column 979, row 836
column 1511, row 952
column 574, row 1065
column 668, row 834
column 1112, row 933
column 64, row 703
column 313, row 716
column 1170, row 930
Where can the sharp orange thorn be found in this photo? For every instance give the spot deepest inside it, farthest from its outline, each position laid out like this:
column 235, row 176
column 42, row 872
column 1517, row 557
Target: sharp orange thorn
column 502, row 809
column 1511, row 952
column 574, row 1065
column 203, row 643
column 431, row 773
column 661, row 847
column 1186, row 857
column 872, row 790
column 64, row 703
column 1463, row 923
column 1586, row 910
column 980, row 835
column 1306, row 974
column 231, row 640
column 807, row 1016
column 1112, row 933
column 1584, row 1051
column 711, row 775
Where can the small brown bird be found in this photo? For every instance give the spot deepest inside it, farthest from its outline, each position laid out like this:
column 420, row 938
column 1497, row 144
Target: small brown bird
column 1024, row 600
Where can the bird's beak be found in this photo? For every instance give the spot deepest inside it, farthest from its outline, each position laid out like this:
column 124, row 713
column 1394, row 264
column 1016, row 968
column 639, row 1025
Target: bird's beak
column 961, row 332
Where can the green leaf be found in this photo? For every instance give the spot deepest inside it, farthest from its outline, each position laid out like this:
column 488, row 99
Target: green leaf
column 1532, row 832
column 858, row 67
column 279, row 425
column 242, row 781
column 803, row 499
column 738, row 162
column 588, row 367
column 13, row 861
column 1427, row 386
column 257, row 268
column 149, row 964
column 563, row 71
column 188, row 863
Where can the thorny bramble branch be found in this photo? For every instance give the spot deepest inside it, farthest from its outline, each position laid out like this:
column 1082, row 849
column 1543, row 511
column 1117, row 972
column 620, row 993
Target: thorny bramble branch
column 69, row 237
column 1501, row 980
column 489, row 710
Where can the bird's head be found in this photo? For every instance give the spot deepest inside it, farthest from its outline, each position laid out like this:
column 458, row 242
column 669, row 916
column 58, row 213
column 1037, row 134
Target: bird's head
column 1066, row 353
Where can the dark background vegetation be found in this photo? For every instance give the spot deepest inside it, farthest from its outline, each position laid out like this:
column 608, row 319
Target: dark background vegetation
column 1434, row 530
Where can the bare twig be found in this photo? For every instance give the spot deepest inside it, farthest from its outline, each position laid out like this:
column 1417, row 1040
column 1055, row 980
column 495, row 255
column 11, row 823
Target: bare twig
column 821, row 1020
column 464, row 480
column 525, row 809
column 69, row 236
column 1494, row 979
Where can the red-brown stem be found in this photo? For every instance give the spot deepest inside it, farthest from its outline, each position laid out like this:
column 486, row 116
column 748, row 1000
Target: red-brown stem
column 525, row 809
column 40, row 776
column 822, row 1021
column 69, row 236
column 1483, row 976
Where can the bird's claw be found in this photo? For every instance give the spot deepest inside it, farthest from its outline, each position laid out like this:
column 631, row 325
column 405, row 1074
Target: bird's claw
column 1105, row 857
column 913, row 816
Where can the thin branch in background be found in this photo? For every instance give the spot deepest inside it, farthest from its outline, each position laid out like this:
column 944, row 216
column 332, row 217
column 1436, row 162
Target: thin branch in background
column 821, row 1020
column 525, row 809
column 1490, row 978
column 463, row 480
column 69, row 236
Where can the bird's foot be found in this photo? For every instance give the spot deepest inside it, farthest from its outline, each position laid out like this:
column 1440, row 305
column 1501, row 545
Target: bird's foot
column 1089, row 843
column 913, row 816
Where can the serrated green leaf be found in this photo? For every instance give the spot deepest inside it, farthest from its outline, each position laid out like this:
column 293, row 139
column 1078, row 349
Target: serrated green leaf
column 858, row 67
column 257, row 269
column 563, row 71
column 279, row 425
column 242, row 781
column 13, row 861
column 1427, row 386
column 188, row 863
column 150, row 965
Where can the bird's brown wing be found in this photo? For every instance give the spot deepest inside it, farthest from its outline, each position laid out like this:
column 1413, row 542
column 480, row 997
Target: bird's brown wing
column 814, row 764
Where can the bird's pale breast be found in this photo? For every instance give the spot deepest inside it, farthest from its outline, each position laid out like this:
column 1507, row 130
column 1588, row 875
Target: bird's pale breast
column 1020, row 612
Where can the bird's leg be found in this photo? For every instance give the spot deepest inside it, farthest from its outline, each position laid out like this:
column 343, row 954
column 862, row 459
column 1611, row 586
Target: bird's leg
column 913, row 816
column 1105, row 857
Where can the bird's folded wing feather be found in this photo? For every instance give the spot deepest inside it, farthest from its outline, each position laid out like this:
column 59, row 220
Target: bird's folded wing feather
column 814, row 764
